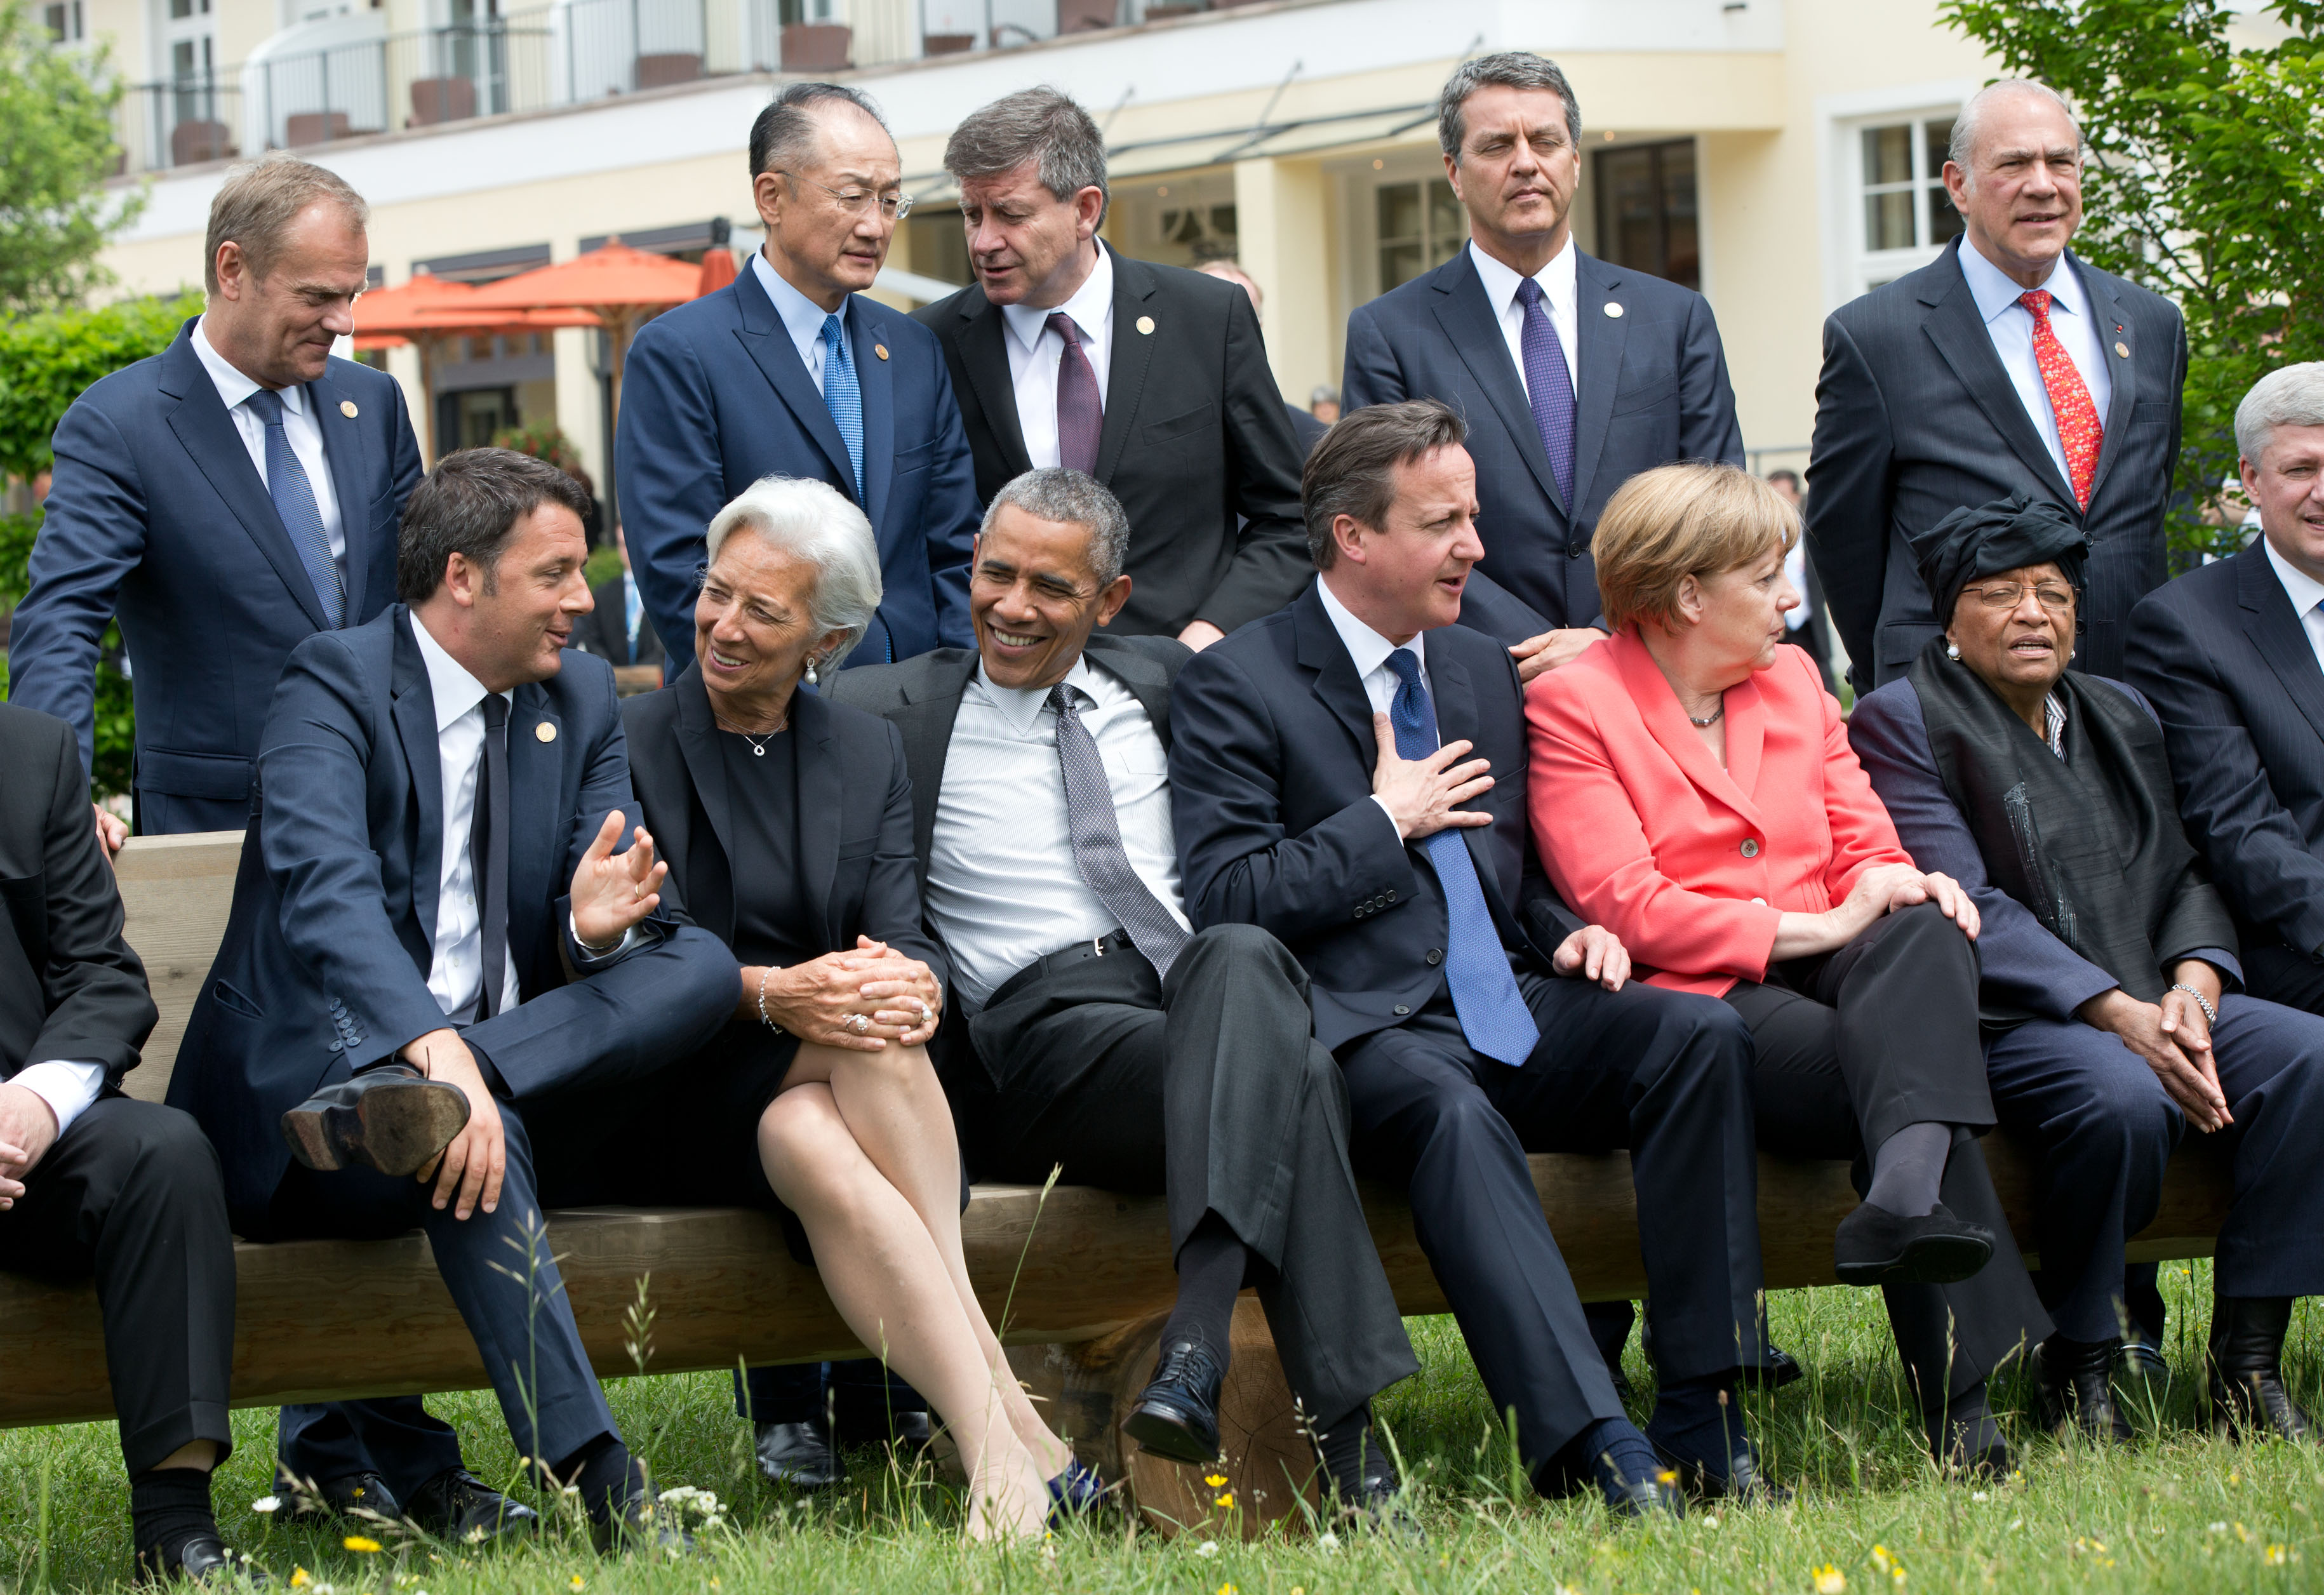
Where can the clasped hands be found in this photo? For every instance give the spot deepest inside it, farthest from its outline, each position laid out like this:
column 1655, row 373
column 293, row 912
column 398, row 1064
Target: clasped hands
column 2173, row 1038
column 27, row 1128
column 861, row 1000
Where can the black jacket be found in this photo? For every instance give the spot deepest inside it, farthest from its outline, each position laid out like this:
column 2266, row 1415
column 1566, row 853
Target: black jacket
column 604, row 630
column 1195, row 435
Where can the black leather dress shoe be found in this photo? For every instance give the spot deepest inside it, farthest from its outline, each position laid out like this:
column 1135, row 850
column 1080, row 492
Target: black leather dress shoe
column 2248, row 1397
column 1877, row 1247
column 1742, row 1484
column 2141, row 1362
column 800, row 1456
column 642, row 1524
column 202, row 1560
column 2076, row 1378
column 909, row 1433
column 1177, row 1414
column 1776, row 1369
column 392, row 1119
column 361, row 1498
column 1658, row 1496
column 458, row 1507
column 1376, row 1504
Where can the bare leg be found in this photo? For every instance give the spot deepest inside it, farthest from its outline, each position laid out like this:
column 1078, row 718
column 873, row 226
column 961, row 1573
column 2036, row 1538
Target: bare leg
column 897, row 1111
column 882, row 1269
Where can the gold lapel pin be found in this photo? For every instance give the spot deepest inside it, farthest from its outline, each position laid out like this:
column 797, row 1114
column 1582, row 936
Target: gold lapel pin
column 1613, row 310
column 347, row 408
column 545, row 732
column 2122, row 348
column 881, row 350
column 1145, row 324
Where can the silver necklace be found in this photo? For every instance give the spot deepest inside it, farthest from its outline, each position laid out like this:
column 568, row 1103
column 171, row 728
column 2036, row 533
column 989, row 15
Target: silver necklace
column 1709, row 721
column 757, row 744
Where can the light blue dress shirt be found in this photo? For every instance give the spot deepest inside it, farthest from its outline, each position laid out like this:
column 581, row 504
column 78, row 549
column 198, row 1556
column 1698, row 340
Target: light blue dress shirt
column 2010, row 325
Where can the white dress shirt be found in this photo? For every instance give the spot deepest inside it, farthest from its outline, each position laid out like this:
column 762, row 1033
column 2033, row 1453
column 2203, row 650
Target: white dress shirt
column 2306, row 593
column 802, row 317
column 1560, row 300
column 2010, row 325
column 1034, row 351
column 456, row 973
column 298, row 425
column 68, row 1087
column 1795, row 571
column 1003, row 887
column 1370, row 651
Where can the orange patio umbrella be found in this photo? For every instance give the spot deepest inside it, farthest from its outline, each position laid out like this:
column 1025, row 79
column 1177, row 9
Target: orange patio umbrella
column 622, row 287
column 717, row 270
column 427, row 312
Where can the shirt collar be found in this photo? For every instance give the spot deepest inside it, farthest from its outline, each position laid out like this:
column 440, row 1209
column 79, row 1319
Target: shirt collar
column 232, row 386
column 802, row 317
column 1996, row 292
column 1089, row 306
column 455, row 691
column 1367, row 647
column 1021, row 706
column 2053, row 722
column 1556, row 279
column 2304, row 590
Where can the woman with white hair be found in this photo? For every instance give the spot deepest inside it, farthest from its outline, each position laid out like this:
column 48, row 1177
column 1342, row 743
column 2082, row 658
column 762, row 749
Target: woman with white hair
column 787, row 822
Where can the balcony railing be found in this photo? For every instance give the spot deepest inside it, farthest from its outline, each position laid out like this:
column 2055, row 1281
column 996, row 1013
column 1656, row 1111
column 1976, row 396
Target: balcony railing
column 951, row 27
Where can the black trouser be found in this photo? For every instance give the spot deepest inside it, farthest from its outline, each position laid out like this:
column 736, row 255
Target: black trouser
column 1208, row 1087
column 131, row 1193
column 2274, row 972
column 1663, row 1073
column 1852, row 1047
column 863, row 1395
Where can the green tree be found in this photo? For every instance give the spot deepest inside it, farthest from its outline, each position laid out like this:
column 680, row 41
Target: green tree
column 2205, row 182
column 56, row 149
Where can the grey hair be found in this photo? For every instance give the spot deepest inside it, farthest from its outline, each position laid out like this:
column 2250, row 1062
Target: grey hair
column 2289, row 396
column 785, row 136
column 1353, row 471
column 1044, row 125
column 814, row 522
column 1324, row 394
column 1972, row 116
column 1507, row 69
column 1056, row 492
column 259, row 200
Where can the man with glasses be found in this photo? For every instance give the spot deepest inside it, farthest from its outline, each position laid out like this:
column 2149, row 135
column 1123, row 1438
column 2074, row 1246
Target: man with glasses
column 858, row 397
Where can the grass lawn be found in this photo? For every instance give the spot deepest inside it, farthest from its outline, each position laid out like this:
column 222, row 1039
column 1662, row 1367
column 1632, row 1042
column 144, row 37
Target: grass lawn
column 2180, row 1511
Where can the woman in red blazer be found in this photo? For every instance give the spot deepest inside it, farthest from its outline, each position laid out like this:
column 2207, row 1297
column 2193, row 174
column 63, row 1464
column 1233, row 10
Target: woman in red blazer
column 1692, row 790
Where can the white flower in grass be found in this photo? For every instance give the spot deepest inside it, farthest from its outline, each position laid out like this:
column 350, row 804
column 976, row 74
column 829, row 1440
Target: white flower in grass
column 1712, row 1521
column 265, row 1505
column 1327, row 1542
column 2219, row 1528
column 1207, row 1548
column 1978, row 1495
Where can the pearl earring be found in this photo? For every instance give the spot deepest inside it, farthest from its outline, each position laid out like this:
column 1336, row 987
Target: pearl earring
column 810, row 670
column 1952, row 651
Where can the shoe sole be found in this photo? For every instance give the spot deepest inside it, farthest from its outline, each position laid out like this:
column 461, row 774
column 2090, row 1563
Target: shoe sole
column 396, row 1128
column 1934, row 1259
column 1164, row 1435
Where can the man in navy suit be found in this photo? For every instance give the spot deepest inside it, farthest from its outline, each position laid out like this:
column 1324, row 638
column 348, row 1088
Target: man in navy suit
column 1474, row 1017
column 2229, row 654
column 1572, row 375
column 789, row 371
column 431, row 852
column 226, row 499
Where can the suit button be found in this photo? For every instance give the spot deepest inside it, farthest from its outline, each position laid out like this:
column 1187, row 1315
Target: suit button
column 1750, row 848
column 1435, row 956
column 1575, row 553
column 334, row 1046
column 1391, row 895
column 1401, row 1011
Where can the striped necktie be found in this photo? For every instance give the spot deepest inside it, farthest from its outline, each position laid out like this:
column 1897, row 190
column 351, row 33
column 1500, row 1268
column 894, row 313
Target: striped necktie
column 841, row 397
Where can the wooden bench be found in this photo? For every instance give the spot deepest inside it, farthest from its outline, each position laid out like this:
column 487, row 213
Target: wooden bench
column 1079, row 1279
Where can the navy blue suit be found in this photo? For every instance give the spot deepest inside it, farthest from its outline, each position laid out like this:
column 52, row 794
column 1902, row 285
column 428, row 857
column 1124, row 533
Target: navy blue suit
column 1271, row 757
column 1652, row 389
column 323, row 970
column 716, row 396
column 156, row 515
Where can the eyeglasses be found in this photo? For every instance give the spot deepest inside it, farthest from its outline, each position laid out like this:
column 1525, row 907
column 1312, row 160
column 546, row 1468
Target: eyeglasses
column 894, row 207
column 2055, row 597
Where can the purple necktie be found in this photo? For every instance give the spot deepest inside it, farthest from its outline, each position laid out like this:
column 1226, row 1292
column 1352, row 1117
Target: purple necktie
column 1549, row 388
column 1081, row 413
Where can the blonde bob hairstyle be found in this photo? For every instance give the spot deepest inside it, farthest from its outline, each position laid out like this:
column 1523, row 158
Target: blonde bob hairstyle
column 1676, row 521
column 814, row 522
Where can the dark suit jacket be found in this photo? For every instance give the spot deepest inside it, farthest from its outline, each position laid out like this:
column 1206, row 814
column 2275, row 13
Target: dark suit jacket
column 921, row 698
column 156, row 515
column 604, row 630
column 1916, row 417
column 2229, row 669
column 1654, row 389
column 1306, row 429
column 716, row 396
column 1270, row 790
column 855, row 816
column 70, row 987
column 1194, row 436
column 324, row 967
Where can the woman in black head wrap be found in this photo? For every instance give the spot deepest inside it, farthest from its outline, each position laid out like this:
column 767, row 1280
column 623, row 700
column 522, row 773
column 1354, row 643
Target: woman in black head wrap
column 2107, row 962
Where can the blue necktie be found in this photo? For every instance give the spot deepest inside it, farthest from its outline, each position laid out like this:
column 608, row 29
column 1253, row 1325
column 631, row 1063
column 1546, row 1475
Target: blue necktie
column 1549, row 388
column 1493, row 1015
column 294, row 502
column 841, row 397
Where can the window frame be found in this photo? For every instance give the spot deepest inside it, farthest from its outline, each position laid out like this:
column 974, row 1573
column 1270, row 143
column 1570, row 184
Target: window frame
column 1852, row 268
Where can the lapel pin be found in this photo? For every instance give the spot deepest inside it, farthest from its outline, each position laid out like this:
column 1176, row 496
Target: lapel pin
column 545, row 732
column 347, row 408
column 1145, row 324
column 1613, row 310
column 2122, row 348
column 881, row 350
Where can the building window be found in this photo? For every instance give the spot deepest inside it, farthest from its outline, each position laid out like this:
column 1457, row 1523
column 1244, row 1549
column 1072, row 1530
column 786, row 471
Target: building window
column 1421, row 226
column 1646, row 210
column 65, row 22
column 1904, row 216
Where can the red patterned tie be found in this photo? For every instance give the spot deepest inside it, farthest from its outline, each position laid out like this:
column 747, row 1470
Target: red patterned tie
column 2078, row 431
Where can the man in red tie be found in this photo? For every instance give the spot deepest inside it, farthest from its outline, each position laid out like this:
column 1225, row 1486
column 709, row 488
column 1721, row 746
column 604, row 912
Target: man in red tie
column 2005, row 365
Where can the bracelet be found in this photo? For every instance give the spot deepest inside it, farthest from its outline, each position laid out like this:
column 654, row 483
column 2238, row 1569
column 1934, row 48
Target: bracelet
column 2210, row 1014
column 764, row 1018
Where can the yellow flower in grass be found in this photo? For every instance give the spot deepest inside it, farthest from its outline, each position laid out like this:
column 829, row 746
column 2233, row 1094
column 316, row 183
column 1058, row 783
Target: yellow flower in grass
column 1225, row 1503
column 300, row 1578
column 577, row 1583
column 1226, row 1590
column 2276, row 1556
column 1887, row 1562
column 1829, row 1580
column 363, row 1542
column 1215, row 1481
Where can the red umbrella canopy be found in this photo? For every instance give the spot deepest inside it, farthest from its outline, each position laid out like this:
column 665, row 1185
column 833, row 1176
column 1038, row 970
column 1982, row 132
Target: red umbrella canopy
column 613, row 274
column 717, row 270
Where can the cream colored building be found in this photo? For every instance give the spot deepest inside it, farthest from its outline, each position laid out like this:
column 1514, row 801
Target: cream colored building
column 1781, row 154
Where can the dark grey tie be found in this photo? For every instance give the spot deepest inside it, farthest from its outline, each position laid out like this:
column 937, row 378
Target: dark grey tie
column 1096, row 832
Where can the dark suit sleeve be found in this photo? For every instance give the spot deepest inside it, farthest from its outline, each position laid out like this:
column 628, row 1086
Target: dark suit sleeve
column 892, row 896
column 2258, row 855
column 1707, row 427
column 99, row 1010
column 952, row 511
column 92, row 536
column 1238, row 863
column 1263, row 461
column 672, row 480
column 404, row 465
column 1848, row 486
column 1370, row 374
